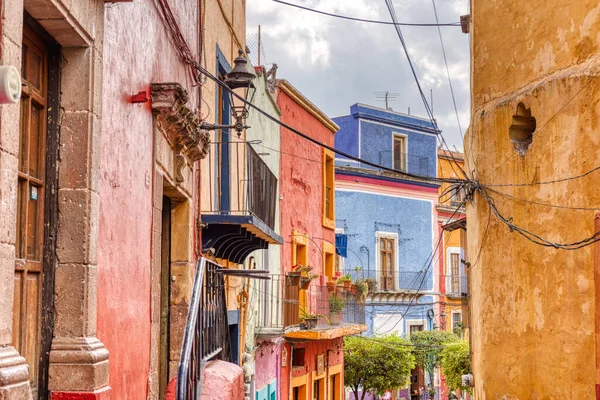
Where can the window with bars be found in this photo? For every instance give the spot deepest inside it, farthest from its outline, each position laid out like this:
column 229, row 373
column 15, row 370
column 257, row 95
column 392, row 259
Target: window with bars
column 456, row 319
column 387, row 263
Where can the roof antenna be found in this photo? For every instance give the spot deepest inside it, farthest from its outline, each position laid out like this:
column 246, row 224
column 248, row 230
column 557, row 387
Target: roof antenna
column 431, row 97
column 386, row 97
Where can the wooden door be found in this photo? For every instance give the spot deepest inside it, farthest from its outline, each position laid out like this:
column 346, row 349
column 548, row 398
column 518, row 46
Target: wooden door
column 165, row 293
column 30, row 204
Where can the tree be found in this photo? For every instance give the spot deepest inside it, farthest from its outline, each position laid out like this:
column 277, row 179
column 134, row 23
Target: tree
column 376, row 364
column 428, row 349
column 456, row 362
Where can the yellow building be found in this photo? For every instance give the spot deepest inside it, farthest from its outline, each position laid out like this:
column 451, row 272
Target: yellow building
column 453, row 281
column 534, row 135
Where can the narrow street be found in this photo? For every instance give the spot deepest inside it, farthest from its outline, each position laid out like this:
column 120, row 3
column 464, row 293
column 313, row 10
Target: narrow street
column 299, row 200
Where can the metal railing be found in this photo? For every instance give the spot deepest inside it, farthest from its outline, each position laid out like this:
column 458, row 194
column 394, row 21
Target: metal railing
column 271, row 302
column 403, row 162
column 337, row 305
column 240, row 182
column 206, row 333
column 456, row 285
column 393, row 280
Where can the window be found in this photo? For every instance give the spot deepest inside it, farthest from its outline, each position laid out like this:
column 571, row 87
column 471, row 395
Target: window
column 328, row 189
column 400, row 152
column 335, row 391
column 318, row 389
column 456, row 319
column 415, row 326
column 387, row 271
column 455, row 272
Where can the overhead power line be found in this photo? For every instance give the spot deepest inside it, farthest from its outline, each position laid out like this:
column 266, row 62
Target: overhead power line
column 361, row 19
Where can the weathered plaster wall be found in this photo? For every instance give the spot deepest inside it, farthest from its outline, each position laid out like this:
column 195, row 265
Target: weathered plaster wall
column 533, row 307
column 131, row 62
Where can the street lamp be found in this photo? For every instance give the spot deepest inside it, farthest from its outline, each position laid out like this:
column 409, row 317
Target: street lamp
column 443, row 320
column 238, row 78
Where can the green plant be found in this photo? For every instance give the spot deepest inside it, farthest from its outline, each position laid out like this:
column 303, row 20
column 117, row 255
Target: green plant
column 376, row 365
column 362, row 290
column 344, row 278
column 336, row 304
column 428, row 347
column 312, row 276
column 456, row 362
column 372, row 284
column 304, row 314
column 302, row 268
column 459, row 329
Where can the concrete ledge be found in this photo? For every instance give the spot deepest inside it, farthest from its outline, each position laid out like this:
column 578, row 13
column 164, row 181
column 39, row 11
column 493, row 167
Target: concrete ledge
column 332, row 332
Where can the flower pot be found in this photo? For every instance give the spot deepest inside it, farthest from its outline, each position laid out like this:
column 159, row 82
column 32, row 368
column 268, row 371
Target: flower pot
column 330, row 286
column 339, row 289
column 293, row 278
column 304, row 283
column 347, row 284
column 335, row 318
column 353, row 289
column 311, row 323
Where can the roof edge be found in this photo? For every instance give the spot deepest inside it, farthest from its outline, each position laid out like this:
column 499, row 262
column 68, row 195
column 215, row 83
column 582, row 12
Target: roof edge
column 302, row 101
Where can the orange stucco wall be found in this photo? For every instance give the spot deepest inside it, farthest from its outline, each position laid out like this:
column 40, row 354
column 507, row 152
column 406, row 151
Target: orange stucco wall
column 533, row 307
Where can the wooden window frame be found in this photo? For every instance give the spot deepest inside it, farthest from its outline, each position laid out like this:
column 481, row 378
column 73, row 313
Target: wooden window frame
column 329, row 249
column 403, row 154
column 395, row 259
column 328, row 209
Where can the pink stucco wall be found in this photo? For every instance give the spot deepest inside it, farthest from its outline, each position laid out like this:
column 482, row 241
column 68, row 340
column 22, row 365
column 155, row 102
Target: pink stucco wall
column 267, row 361
column 131, row 62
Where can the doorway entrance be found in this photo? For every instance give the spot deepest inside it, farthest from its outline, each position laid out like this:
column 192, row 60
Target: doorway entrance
column 165, row 281
column 37, row 209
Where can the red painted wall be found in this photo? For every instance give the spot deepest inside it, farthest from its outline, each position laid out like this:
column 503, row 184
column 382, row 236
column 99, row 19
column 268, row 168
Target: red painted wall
column 301, row 181
column 131, row 62
column 334, row 355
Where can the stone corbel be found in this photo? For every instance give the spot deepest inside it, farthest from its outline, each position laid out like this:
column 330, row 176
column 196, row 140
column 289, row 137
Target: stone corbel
column 177, row 122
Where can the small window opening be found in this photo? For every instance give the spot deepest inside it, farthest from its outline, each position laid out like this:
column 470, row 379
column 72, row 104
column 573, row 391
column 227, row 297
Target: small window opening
column 522, row 128
column 298, row 357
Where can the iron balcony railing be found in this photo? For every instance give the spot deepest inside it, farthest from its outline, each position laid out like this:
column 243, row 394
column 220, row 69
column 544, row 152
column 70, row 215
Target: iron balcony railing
column 240, row 182
column 403, row 162
column 206, row 333
column 337, row 305
column 456, row 285
column 392, row 280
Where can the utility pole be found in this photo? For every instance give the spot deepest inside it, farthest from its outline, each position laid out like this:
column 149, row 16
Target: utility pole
column 259, row 45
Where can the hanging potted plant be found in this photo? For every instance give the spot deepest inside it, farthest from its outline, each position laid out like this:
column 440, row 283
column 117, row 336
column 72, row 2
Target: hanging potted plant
column 305, row 281
column 330, row 286
column 336, row 306
column 293, row 277
column 310, row 320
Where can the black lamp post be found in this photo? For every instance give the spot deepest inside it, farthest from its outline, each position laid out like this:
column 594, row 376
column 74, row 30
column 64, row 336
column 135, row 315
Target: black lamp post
column 443, row 320
column 238, row 78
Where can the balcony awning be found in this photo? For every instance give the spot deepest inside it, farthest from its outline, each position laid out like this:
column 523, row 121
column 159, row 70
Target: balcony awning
column 458, row 224
column 234, row 237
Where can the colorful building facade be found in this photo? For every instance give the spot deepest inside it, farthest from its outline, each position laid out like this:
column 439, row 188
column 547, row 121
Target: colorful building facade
column 390, row 220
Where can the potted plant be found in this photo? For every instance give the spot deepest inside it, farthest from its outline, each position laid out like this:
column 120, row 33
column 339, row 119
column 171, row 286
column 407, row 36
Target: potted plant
column 293, row 277
column 336, row 306
column 372, row 284
column 345, row 280
column 330, row 286
column 310, row 320
column 305, row 281
column 362, row 290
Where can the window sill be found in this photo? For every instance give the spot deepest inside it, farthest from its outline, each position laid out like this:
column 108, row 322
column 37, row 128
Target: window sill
column 328, row 223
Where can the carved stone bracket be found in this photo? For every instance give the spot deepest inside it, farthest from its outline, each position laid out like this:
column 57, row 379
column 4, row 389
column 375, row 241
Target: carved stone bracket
column 177, row 122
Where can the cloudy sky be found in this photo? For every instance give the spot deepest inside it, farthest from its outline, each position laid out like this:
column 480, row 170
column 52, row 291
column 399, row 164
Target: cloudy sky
column 337, row 63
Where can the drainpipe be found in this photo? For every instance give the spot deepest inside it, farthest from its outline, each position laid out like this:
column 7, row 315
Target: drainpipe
column 597, row 312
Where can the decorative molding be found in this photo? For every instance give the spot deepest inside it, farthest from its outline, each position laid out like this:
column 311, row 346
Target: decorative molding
column 177, row 122
column 78, row 364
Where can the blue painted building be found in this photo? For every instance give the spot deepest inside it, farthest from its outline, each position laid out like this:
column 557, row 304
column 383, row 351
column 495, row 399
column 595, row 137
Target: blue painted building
column 389, row 219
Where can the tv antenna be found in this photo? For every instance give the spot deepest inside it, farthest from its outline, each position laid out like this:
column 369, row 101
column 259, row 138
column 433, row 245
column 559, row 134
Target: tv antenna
column 386, row 97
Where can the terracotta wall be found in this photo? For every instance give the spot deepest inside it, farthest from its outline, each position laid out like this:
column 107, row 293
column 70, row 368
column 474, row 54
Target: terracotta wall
column 533, row 307
column 138, row 51
column 301, row 181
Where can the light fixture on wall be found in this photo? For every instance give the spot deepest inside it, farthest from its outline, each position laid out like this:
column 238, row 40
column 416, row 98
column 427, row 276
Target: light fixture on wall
column 239, row 80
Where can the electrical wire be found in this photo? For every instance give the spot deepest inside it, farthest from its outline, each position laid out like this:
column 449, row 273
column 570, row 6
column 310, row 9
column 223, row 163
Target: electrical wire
column 364, row 20
column 540, row 203
column 448, row 72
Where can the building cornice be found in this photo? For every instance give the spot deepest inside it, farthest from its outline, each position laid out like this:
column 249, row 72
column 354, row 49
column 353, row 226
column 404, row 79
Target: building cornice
column 306, row 104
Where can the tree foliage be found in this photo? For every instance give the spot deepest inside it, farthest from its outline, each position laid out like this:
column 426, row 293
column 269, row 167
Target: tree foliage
column 378, row 364
column 429, row 346
column 456, row 361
